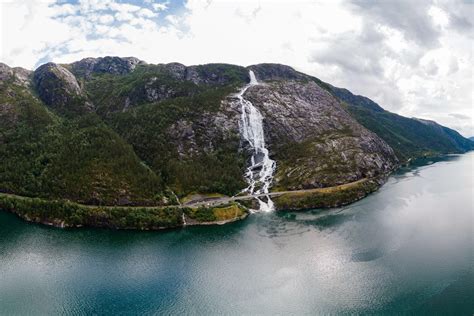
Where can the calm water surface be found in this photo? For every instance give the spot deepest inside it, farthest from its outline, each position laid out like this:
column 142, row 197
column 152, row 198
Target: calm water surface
column 407, row 248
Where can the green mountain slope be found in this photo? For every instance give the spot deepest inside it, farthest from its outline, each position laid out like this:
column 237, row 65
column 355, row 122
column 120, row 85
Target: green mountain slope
column 119, row 131
column 171, row 115
column 409, row 137
column 47, row 155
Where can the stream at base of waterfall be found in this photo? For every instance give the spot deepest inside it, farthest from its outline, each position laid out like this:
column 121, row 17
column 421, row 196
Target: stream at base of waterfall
column 259, row 174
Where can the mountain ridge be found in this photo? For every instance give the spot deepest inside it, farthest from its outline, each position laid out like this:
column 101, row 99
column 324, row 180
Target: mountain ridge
column 120, row 131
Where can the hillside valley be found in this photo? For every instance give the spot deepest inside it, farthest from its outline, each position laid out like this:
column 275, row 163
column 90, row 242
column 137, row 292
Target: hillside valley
column 121, row 132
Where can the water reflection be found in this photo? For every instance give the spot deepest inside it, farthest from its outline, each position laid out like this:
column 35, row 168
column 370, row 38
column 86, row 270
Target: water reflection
column 404, row 248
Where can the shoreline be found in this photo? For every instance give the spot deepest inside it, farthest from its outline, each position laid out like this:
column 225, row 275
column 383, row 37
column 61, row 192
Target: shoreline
column 67, row 214
column 217, row 211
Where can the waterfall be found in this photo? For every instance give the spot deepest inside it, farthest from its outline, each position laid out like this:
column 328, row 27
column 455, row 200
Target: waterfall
column 259, row 174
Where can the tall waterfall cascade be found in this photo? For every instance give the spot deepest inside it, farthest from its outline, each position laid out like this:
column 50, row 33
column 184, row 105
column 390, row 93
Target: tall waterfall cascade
column 259, row 174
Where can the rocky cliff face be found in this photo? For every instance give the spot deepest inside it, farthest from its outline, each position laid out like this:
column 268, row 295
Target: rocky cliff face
column 315, row 141
column 18, row 75
column 110, row 65
column 409, row 137
column 119, row 130
column 270, row 72
column 122, row 84
column 58, row 88
column 17, row 98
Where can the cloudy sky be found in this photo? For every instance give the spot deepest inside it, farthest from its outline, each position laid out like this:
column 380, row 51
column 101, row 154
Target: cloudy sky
column 413, row 57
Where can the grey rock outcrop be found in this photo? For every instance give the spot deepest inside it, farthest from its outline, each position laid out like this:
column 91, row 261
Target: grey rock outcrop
column 58, row 88
column 19, row 75
column 176, row 70
column 208, row 132
column 315, row 142
column 271, row 72
column 5, row 72
column 22, row 76
column 167, row 81
column 109, row 64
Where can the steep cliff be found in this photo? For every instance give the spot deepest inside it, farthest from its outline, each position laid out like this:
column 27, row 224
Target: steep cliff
column 409, row 137
column 120, row 131
column 315, row 142
column 50, row 148
column 58, row 88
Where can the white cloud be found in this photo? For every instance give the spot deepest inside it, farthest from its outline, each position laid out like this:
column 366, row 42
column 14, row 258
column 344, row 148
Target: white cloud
column 123, row 7
column 161, row 6
column 414, row 59
column 106, row 19
column 147, row 13
column 124, row 16
column 93, row 5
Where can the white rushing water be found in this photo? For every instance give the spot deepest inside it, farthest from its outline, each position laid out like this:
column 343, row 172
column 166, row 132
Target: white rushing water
column 259, row 174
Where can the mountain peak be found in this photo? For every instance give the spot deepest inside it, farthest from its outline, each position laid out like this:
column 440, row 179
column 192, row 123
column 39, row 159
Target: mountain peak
column 58, row 88
column 108, row 64
column 270, row 71
column 20, row 75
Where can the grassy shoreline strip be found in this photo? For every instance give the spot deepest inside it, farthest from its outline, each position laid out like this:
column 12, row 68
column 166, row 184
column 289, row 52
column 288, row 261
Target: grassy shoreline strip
column 326, row 197
column 61, row 213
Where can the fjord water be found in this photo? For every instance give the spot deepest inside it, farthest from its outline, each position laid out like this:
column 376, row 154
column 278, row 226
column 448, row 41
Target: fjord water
column 406, row 248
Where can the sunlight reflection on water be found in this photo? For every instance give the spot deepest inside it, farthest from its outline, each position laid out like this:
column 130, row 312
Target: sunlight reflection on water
column 407, row 247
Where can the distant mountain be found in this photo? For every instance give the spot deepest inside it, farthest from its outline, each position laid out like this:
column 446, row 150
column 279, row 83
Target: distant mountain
column 120, row 131
column 409, row 137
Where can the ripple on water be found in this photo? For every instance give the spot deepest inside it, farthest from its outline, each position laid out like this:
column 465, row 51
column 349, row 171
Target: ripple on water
column 404, row 249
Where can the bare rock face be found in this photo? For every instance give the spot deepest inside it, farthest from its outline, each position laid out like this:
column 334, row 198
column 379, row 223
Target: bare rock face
column 20, row 76
column 5, row 72
column 208, row 132
column 58, row 88
column 315, row 142
column 155, row 90
column 111, row 65
column 269, row 72
column 176, row 70
column 183, row 135
column 16, row 97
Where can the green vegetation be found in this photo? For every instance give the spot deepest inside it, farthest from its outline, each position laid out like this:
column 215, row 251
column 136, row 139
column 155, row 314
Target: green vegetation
column 219, row 213
column 26, row 138
column 120, row 157
column 128, row 158
column 143, row 137
column 101, row 167
column 222, row 74
column 80, row 159
column 111, row 92
column 68, row 214
column 194, row 196
column 150, row 130
column 295, row 165
column 409, row 138
column 326, row 197
column 60, row 91
column 63, row 213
